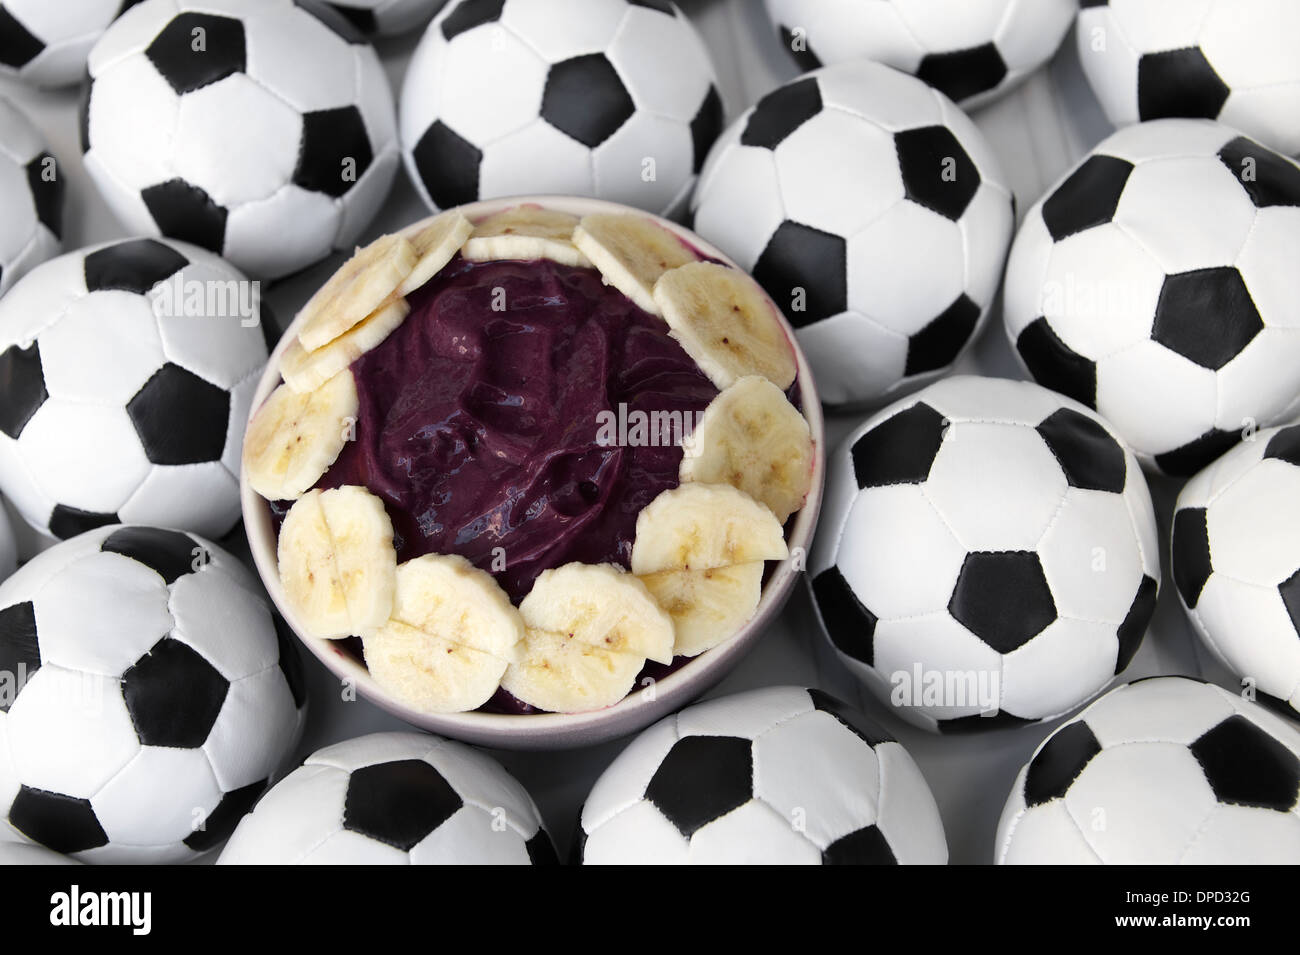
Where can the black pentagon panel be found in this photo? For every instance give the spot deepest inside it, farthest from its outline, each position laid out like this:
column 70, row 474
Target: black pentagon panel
column 1285, row 445
column 195, row 50
column 335, row 151
column 1134, row 625
column 1059, row 763
column 348, row 27
column 1002, row 597
column 363, row 20
column 57, row 822
column 170, row 554
column 804, row 271
column 863, row 728
column 702, row 779
column 18, row 45
column 1093, row 3
column 937, row 172
column 290, row 661
column 47, row 192
column 1088, row 197
column 781, row 112
column 800, row 49
column 83, row 115
column 1190, row 550
column 223, row 818
column 663, row 6
column 850, row 625
column 66, row 522
column 706, row 126
column 939, row 343
column 173, row 695
column 1089, row 457
column 1179, row 83
column 541, row 850
column 22, row 387
column 1207, row 316
column 1196, row 454
column 20, row 650
column 448, row 165
column 978, row 722
column 468, row 14
column 136, row 265
column 864, row 847
column 962, row 73
column 1055, row 365
column 398, row 803
column 1268, row 178
column 183, row 211
column 1245, row 766
column 1289, row 589
column 180, row 418
column 585, row 99
column 901, row 449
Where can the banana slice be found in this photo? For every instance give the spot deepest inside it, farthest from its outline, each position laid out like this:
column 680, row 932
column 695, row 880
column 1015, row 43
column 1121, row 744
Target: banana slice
column 631, row 252
column 305, row 371
column 707, row 606
column 452, row 634
column 752, row 438
column 702, row 527
column 365, row 282
column 726, row 324
column 561, row 674
column 435, row 245
column 294, row 438
column 526, row 232
column 337, row 562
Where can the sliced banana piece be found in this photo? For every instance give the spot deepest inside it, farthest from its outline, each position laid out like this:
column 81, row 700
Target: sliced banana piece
column 752, row 438
column 726, row 323
column 602, row 606
column 704, row 526
column 295, row 437
column 561, row 674
column 435, row 245
column 526, row 232
column 365, row 282
column 337, row 563
column 631, row 252
column 707, row 606
column 305, row 371
column 428, row 673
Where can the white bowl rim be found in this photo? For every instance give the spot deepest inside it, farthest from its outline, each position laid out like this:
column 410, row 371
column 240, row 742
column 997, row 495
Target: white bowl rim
column 557, row 730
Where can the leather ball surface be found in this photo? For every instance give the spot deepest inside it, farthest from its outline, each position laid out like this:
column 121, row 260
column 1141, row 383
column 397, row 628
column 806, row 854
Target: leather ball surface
column 31, row 195
column 45, row 44
column 387, row 17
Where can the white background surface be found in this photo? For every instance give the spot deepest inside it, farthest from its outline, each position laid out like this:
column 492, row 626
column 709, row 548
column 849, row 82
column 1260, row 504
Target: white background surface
column 1039, row 130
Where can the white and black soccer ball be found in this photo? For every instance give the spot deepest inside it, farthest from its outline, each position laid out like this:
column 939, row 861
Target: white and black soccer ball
column 45, row 44
column 873, row 212
column 973, row 51
column 615, row 99
column 126, row 375
column 387, row 17
column 780, row 776
column 986, row 555
column 1161, row 771
column 31, row 195
column 394, row 799
column 1232, row 60
column 1156, row 282
column 156, row 695
column 265, row 132
column 1236, row 562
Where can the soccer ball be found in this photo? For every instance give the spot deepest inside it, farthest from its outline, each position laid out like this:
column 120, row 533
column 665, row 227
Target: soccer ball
column 873, row 212
column 394, row 799
column 615, row 99
column 126, row 375
column 1157, row 283
column 973, row 51
column 31, row 195
column 264, row 132
column 777, row 776
column 46, row 43
column 149, row 696
column 1232, row 60
column 386, row 17
column 1236, row 562
column 986, row 555
column 1160, row 771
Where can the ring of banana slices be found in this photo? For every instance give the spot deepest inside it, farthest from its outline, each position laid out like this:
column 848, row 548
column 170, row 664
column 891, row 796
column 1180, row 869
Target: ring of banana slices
column 440, row 635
